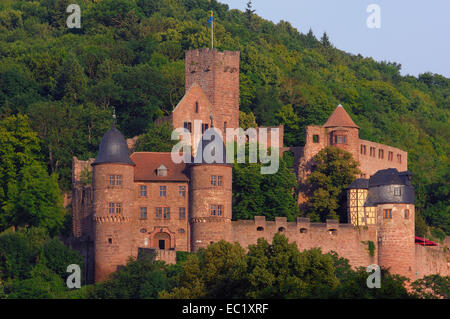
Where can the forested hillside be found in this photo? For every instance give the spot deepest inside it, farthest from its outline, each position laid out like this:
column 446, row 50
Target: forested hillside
column 129, row 55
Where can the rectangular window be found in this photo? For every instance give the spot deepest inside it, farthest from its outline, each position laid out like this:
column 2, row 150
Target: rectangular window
column 399, row 158
column 188, row 126
column 112, row 180
column 119, row 180
column 406, row 213
column 111, row 208
column 118, row 208
column 340, row 139
column 166, row 212
column 397, row 191
column 224, row 127
column 196, row 107
column 219, row 180
column 335, row 139
column 388, row 214
column 158, row 212
column 143, row 190
column 182, row 212
column 381, row 154
column 315, row 138
column 363, row 149
column 213, row 210
column 162, row 191
column 345, row 139
column 219, row 210
column 213, row 180
column 390, row 156
column 182, row 191
column 143, row 212
column 204, row 127
column 372, row 151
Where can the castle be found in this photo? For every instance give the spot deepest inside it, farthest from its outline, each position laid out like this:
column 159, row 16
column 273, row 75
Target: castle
column 145, row 201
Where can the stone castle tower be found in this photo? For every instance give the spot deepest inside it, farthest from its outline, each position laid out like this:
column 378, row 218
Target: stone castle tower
column 113, row 184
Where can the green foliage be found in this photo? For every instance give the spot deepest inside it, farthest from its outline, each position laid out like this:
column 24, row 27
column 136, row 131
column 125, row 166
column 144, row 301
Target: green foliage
column 270, row 195
column 432, row 287
column 142, row 278
column 32, row 265
column 157, row 138
column 334, row 170
column 370, row 247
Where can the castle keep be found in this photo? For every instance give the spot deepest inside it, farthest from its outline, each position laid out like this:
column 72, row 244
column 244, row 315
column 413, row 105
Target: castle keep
column 145, row 201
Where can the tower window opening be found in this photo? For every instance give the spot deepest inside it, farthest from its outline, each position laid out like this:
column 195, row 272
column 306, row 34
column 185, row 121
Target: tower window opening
column 281, row 229
column 387, row 214
column 115, row 180
column 224, row 127
column 205, row 127
column 303, row 230
column 196, row 107
column 219, row 210
column 315, row 138
column 213, row 180
column 219, row 180
column 381, row 154
column 390, row 156
column 188, row 126
column 406, row 213
column 110, row 240
column 363, row 149
column 260, row 228
column 332, row 232
column 399, row 158
column 372, row 151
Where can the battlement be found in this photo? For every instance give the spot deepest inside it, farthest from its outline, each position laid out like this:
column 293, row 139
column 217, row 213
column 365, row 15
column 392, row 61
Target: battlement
column 209, row 51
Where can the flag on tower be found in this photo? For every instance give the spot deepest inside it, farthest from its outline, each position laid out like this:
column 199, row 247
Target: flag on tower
column 210, row 20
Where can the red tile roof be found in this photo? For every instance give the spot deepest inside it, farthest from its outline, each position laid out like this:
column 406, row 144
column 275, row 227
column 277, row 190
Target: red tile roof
column 340, row 118
column 148, row 162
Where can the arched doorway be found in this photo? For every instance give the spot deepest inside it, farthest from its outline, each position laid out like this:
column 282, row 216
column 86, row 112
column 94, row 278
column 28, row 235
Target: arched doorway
column 161, row 241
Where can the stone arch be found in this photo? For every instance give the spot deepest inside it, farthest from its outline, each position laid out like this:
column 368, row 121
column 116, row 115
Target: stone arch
column 162, row 238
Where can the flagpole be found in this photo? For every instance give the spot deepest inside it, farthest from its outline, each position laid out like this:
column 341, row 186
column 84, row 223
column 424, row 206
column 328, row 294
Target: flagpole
column 212, row 31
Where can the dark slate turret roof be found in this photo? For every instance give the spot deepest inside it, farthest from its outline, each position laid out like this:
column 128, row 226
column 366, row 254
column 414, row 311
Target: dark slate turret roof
column 113, row 149
column 359, row 183
column 390, row 176
column 204, row 142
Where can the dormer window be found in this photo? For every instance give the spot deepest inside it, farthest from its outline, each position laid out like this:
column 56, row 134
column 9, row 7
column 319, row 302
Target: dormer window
column 161, row 170
column 397, row 191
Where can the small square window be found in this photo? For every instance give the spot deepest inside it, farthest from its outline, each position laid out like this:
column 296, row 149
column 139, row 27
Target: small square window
column 315, row 138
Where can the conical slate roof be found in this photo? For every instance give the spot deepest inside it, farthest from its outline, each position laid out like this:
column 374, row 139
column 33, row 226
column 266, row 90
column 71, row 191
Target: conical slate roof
column 340, row 118
column 113, row 149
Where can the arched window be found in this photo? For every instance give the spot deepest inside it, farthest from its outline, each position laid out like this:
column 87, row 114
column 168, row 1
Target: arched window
column 260, row 228
column 303, row 230
column 281, row 229
column 196, row 107
column 181, row 230
column 332, row 231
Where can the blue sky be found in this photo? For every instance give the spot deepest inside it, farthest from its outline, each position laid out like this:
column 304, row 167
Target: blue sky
column 414, row 33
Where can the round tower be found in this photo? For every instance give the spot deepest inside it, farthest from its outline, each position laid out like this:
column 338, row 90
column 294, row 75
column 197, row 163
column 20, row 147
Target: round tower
column 113, row 178
column 211, row 192
column 392, row 194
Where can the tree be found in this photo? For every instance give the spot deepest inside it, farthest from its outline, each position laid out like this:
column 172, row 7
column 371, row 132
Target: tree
column 333, row 171
column 432, row 287
column 325, row 40
column 157, row 138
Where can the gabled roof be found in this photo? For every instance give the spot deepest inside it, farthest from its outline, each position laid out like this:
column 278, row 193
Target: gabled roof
column 194, row 89
column 340, row 118
column 147, row 164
